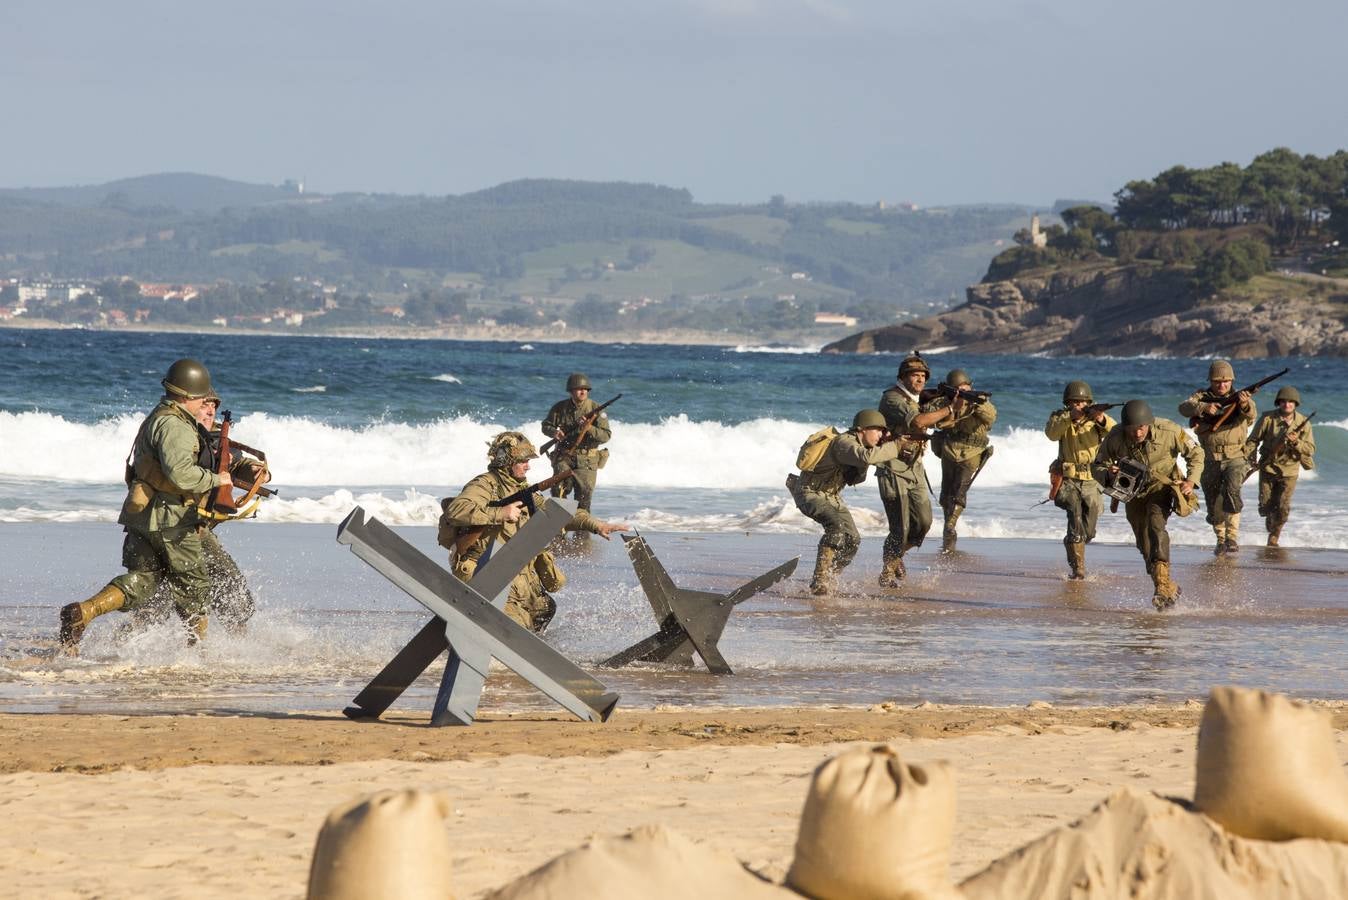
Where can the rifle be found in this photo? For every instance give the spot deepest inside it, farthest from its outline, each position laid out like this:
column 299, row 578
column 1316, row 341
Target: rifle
column 573, row 437
column 1208, row 423
column 221, row 505
column 242, row 480
column 1277, row 448
column 222, row 500
column 944, row 390
column 983, row 461
column 1054, row 481
column 466, row 537
column 1094, row 408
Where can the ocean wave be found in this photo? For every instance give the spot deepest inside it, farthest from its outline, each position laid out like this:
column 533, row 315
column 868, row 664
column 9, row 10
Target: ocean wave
column 450, row 379
column 315, row 389
column 774, row 348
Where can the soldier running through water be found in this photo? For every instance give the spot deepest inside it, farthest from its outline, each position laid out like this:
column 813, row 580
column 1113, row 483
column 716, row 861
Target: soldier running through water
column 961, row 442
column 586, row 458
column 818, row 492
column 1285, row 445
column 1223, row 452
column 1079, row 429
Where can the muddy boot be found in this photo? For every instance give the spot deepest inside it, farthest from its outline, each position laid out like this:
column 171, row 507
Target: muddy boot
column 1076, row 558
column 1273, row 534
column 196, row 630
column 1219, row 529
column 1232, row 534
column 893, row 572
column 1167, row 592
column 825, row 579
column 75, row 617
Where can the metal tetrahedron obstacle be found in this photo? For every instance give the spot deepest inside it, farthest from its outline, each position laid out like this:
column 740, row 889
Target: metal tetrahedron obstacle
column 470, row 623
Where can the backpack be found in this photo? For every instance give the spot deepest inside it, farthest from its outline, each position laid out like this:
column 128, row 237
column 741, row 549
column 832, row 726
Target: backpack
column 814, row 449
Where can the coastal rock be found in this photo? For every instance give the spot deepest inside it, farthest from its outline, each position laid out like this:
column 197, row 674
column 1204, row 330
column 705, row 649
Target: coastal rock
column 1113, row 310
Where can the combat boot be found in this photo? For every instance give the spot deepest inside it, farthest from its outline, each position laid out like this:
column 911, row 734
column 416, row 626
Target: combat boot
column 1076, row 558
column 75, row 617
column 1232, row 534
column 948, row 533
column 1167, row 592
column 1220, row 530
column 196, row 630
column 893, row 572
column 825, row 579
column 1273, row 534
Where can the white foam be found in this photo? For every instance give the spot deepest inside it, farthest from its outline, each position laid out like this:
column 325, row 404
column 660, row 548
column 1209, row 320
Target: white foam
column 446, row 378
column 315, row 389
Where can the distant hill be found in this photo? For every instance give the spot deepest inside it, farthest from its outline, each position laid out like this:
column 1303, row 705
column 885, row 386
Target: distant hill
column 183, row 191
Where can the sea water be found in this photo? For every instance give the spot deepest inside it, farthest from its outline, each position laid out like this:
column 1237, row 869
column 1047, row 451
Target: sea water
column 703, row 438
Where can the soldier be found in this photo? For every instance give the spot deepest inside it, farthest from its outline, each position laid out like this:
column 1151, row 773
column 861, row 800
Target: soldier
column 586, row 459
column 1223, row 452
column 818, row 492
column 962, row 443
column 1157, row 444
column 903, row 481
column 1286, row 445
column 1078, row 428
column 169, row 473
column 469, row 524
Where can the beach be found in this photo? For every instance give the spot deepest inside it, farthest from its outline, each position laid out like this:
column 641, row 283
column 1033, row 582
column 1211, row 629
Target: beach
column 220, row 806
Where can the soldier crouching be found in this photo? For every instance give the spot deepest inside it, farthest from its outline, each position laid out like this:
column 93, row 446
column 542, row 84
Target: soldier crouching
column 470, row 523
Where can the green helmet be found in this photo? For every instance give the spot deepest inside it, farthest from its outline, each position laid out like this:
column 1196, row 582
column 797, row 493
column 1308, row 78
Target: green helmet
column 577, row 381
column 914, row 363
column 508, row 448
column 1288, row 393
column 1220, row 370
column 1137, row 413
column 187, row 379
column 1077, row 390
column 869, row 418
column 958, row 378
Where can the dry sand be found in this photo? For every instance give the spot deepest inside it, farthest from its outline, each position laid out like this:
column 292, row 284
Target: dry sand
column 216, row 806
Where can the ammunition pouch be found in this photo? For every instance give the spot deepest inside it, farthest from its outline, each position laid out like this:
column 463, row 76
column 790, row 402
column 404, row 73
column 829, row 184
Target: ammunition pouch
column 909, row 451
column 545, row 567
column 601, row 461
column 1129, row 481
column 138, row 497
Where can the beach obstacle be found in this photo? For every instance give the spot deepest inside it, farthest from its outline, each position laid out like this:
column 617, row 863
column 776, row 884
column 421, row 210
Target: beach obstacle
column 470, row 623
column 688, row 620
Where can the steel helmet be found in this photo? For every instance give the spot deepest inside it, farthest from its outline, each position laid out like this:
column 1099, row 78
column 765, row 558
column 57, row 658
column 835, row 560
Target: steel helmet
column 869, row 418
column 508, row 448
column 958, row 378
column 914, row 363
column 1288, row 393
column 1220, row 370
column 1137, row 413
column 577, row 381
column 187, row 379
column 1077, row 390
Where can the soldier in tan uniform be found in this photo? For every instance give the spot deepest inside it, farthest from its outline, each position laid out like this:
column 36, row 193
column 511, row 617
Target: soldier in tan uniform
column 904, row 490
column 1079, row 432
column 587, row 458
column 1157, row 444
column 818, row 493
column 961, row 442
column 169, row 472
column 469, row 524
column 1223, row 453
column 1283, row 452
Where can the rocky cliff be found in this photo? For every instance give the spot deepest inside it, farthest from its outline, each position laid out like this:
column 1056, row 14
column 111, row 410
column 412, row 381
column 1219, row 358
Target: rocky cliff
column 1113, row 310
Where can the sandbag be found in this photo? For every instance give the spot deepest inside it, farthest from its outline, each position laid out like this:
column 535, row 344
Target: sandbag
column 392, row 844
column 875, row 828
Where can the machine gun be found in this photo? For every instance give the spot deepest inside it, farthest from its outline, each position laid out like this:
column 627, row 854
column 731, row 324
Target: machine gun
column 1273, row 451
column 463, row 538
column 952, row 394
column 1204, row 424
column 569, row 441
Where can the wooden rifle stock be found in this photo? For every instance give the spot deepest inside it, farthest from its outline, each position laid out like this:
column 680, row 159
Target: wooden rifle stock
column 223, row 498
column 571, row 443
column 1273, row 451
column 1054, row 482
column 1205, row 424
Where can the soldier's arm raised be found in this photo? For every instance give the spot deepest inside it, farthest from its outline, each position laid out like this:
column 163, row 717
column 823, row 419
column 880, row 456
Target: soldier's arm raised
column 1058, row 422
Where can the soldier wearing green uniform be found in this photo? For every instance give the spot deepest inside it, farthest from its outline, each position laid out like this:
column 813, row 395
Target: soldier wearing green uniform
column 961, row 442
column 903, row 480
column 586, row 459
column 1157, row 444
column 169, row 472
column 1283, row 452
column 1079, row 432
column 818, row 493
column 1223, row 453
column 470, row 523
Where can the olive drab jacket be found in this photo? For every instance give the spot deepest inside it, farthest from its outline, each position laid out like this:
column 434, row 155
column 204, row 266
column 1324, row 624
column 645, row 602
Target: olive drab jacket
column 964, row 439
column 1165, row 443
column 1229, row 441
column 469, row 512
column 1077, row 441
column 900, row 408
column 168, row 471
column 1268, row 431
column 845, row 463
column 566, row 416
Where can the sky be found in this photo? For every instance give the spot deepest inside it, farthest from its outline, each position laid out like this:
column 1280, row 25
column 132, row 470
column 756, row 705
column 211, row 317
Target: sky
column 936, row 103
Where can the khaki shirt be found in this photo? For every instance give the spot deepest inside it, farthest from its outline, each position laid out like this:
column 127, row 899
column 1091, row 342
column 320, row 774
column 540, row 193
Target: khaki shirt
column 964, row 439
column 1268, row 431
column 1166, row 442
column 845, row 462
column 900, row 408
column 170, row 443
column 1229, row 441
column 566, row 415
column 1077, row 441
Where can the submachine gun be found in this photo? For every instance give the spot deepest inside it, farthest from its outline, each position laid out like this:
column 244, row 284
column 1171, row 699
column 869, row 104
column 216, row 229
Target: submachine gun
column 569, row 441
column 1227, row 405
column 1125, row 484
